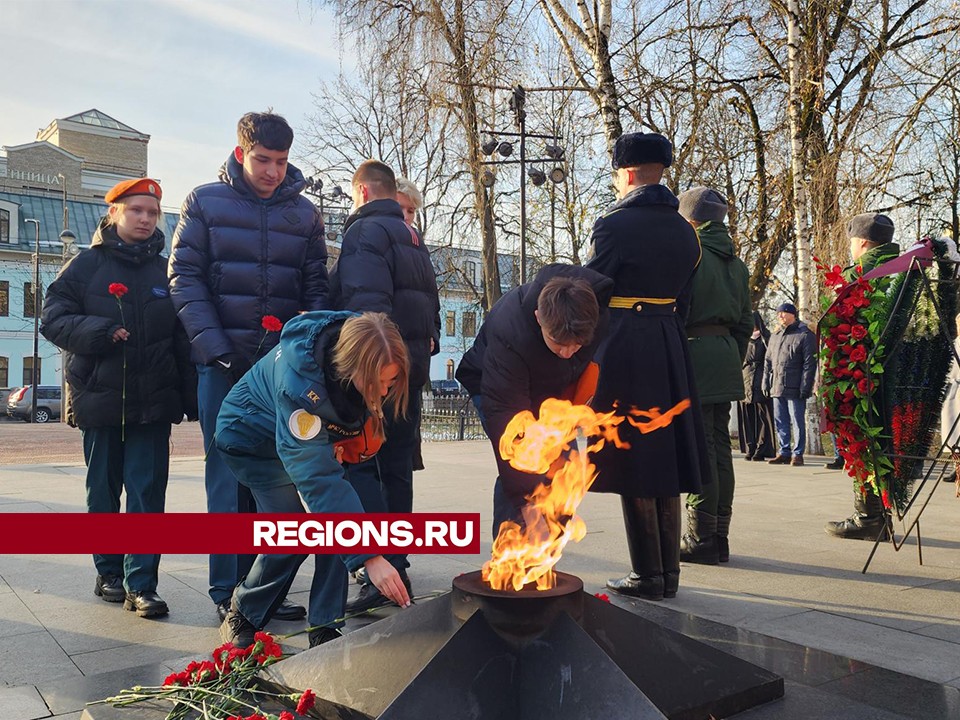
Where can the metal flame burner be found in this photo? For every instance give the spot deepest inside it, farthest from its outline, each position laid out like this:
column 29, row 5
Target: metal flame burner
column 517, row 616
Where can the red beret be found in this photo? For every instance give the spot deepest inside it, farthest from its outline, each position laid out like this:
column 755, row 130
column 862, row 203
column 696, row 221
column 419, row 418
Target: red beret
column 139, row 186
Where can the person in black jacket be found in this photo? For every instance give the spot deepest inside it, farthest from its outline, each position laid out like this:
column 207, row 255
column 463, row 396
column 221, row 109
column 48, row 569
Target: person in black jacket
column 755, row 412
column 534, row 344
column 384, row 266
column 128, row 375
column 248, row 254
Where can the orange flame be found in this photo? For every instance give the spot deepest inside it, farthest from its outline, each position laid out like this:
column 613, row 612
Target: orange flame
column 543, row 447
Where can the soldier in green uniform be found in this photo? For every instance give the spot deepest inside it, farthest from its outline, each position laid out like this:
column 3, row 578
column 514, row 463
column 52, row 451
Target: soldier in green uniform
column 871, row 245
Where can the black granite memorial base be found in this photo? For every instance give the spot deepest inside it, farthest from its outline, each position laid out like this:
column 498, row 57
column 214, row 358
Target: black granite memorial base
column 432, row 660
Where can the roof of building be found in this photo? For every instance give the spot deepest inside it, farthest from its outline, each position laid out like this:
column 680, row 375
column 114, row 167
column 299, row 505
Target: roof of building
column 100, row 119
column 83, row 218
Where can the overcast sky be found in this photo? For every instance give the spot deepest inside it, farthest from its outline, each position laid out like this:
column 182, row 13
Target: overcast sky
column 182, row 71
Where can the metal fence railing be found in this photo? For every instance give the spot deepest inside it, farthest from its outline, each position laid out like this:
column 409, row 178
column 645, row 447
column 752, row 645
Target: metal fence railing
column 449, row 418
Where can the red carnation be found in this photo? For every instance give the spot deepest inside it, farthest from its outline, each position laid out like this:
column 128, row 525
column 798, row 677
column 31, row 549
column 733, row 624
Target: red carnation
column 286, row 715
column 602, row 596
column 306, row 702
column 271, row 323
column 864, row 386
column 118, row 290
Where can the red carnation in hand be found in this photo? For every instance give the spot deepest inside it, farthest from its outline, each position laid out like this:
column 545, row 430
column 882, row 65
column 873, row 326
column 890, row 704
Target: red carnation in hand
column 118, row 290
column 271, row 323
column 306, row 702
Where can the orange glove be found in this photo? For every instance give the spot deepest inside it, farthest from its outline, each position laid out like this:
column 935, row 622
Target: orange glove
column 363, row 446
column 582, row 391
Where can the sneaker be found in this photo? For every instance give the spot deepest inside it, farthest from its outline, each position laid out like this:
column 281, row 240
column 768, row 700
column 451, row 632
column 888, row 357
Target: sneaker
column 321, row 635
column 370, row 598
column 780, row 460
column 835, row 464
column 797, row 460
column 145, row 603
column 237, row 629
column 109, row 588
column 223, row 608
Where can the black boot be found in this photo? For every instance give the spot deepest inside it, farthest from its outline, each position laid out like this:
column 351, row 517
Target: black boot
column 643, row 542
column 868, row 522
column 668, row 510
column 723, row 539
column 699, row 545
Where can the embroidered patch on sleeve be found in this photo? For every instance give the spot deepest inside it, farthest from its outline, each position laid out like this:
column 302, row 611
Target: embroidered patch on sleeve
column 303, row 425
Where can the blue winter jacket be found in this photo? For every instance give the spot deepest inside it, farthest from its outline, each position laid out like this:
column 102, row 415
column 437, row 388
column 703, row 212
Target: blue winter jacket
column 289, row 408
column 385, row 267
column 237, row 258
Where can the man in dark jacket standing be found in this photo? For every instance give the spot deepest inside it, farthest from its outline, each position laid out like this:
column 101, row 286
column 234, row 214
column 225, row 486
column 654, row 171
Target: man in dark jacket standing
column 534, row 344
column 384, row 266
column 718, row 329
column 247, row 248
column 651, row 254
column 788, row 374
column 871, row 244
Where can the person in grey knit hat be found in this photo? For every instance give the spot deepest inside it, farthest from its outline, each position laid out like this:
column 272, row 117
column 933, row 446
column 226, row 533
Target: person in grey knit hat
column 718, row 328
column 702, row 204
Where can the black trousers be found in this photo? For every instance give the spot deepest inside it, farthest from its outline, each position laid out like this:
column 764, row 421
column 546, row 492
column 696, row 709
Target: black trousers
column 757, row 431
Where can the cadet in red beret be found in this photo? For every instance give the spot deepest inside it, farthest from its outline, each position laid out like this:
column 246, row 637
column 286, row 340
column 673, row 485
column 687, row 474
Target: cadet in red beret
column 128, row 373
column 129, row 188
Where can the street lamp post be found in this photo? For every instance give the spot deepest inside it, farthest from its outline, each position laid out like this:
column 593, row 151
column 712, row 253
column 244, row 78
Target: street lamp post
column 314, row 186
column 554, row 153
column 36, row 318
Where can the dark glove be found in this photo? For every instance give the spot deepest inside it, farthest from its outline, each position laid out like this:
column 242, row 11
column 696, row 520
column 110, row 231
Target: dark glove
column 233, row 366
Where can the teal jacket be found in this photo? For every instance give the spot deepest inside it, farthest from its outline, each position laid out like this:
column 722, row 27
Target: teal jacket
column 289, row 408
column 721, row 318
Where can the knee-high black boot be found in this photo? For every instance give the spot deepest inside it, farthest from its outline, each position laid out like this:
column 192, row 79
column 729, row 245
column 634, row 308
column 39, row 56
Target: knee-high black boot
column 668, row 510
column 643, row 542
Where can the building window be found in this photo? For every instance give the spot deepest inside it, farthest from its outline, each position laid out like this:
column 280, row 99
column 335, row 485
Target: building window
column 30, row 306
column 469, row 324
column 28, row 370
column 5, row 226
column 4, row 375
column 4, row 299
column 472, row 272
column 451, row 323
column 450, row 370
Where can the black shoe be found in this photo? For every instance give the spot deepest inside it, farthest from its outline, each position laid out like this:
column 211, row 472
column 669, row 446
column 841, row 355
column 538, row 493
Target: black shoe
column 780, row 460
column 109, row 588
column 223, row 607
column 835, row 464
column 322, row 635
column 237, row 629
column 289, row 611
column 370, row 598
column 671, row 584
column 649, row 588
column 146, row 603
column 859, row 527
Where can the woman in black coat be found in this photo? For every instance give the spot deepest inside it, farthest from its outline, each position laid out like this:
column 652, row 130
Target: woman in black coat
column 128, row 375
column 755, row 411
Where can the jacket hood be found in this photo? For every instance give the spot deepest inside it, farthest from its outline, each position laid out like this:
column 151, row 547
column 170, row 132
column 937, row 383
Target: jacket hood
column 715, row 237
column 300, row 341
column 231, row 172
column 106, row 237
column 384, row 207
column 648, row 195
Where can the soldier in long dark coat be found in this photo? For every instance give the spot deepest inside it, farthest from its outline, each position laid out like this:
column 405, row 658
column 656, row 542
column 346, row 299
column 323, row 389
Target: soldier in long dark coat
column 651, row 254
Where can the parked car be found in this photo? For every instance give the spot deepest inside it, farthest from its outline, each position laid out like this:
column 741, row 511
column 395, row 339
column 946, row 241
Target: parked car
column 20, row 403
column 446, row 388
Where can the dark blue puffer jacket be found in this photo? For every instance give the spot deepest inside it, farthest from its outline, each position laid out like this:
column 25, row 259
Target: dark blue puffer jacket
column 236, row 258
column 385, row 267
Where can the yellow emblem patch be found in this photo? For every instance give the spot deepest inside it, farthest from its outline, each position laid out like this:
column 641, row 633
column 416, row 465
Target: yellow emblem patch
column 303, row 425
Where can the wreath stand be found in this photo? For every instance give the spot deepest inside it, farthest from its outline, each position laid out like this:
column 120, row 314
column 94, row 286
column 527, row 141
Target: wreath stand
column 935, row 466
